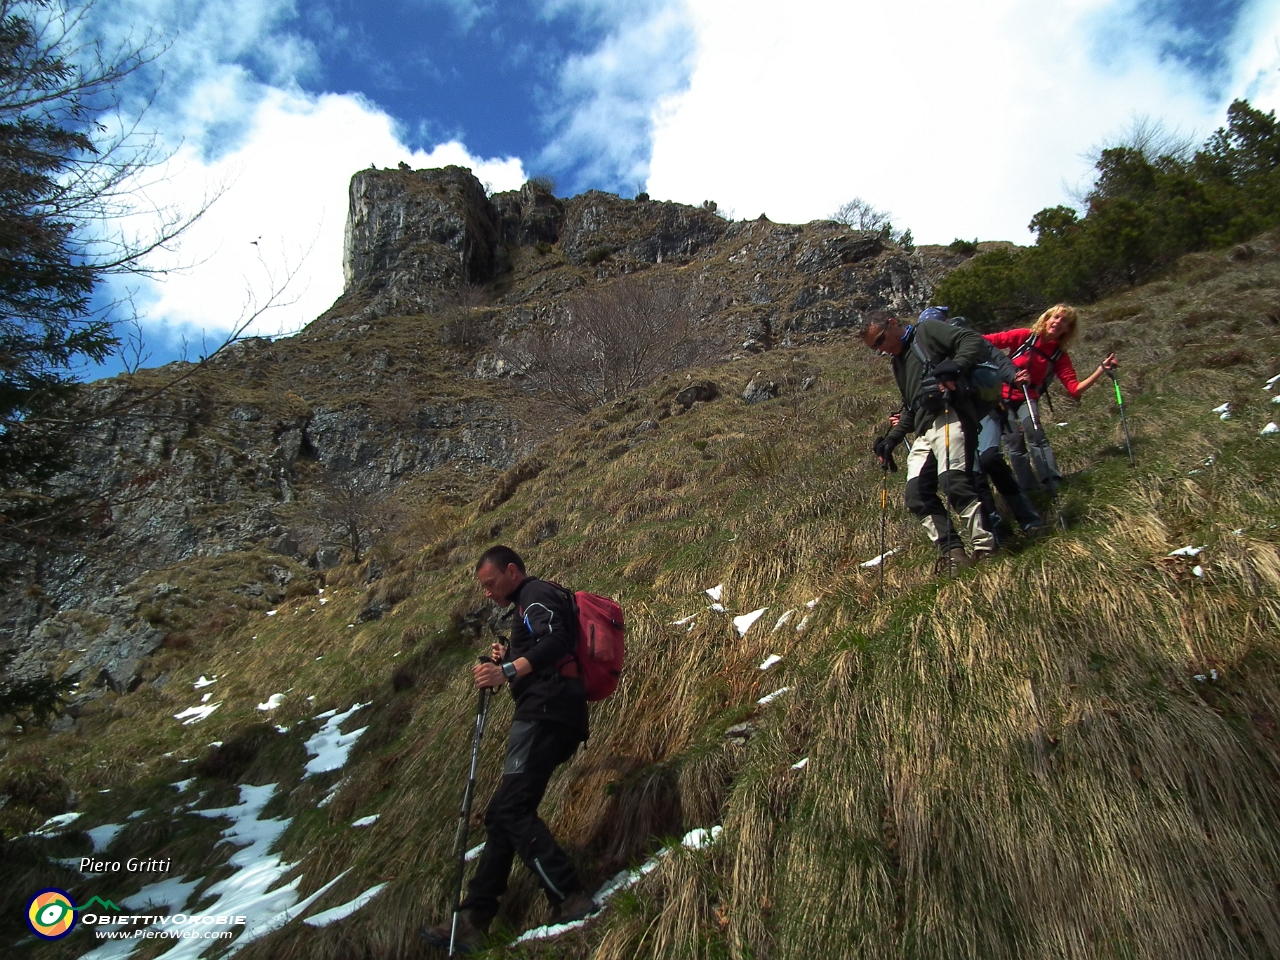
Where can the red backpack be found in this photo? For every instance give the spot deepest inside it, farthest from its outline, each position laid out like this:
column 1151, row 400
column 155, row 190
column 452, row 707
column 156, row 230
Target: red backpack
column 597, row 658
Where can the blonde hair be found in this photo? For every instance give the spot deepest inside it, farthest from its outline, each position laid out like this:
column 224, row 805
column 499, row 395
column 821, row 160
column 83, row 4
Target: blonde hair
column 1068, row 314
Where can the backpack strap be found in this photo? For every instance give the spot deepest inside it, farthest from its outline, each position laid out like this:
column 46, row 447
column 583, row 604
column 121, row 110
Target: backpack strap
column 1028, row 346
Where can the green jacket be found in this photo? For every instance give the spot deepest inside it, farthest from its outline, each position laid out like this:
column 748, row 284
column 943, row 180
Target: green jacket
column 940, row 341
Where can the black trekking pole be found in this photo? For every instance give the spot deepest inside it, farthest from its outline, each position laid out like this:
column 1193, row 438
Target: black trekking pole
column 464, row 817
column 1124, row 421
column 884, row 508
column 1035, row 424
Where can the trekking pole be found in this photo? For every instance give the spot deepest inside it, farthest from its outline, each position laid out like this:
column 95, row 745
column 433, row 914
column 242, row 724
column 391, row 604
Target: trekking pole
column 884, row 509
column 1035, row 424
column 464, row 817
column 946, row 439
column 1124, row 421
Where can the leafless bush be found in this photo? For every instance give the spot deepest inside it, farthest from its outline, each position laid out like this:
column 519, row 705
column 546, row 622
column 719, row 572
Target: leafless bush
column 615, row 339
column 352, row 514
column 860, row 215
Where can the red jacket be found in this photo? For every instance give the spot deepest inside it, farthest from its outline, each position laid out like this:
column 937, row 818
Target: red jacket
column 1036, row 362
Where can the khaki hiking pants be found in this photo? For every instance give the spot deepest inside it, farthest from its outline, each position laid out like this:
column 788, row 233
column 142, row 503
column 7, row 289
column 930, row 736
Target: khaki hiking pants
column 943, row 457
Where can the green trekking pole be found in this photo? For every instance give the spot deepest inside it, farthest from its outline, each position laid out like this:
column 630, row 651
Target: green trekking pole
column 464, row 816
column 1124, row 421
column 1035, row 423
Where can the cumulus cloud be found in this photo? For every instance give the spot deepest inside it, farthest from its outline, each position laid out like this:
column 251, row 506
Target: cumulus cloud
column 280, row 158
column 602, row 109
column 283, row 209
column 963, row 119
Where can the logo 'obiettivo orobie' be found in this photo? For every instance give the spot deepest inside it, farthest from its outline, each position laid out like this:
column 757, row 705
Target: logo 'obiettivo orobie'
column 51, row 914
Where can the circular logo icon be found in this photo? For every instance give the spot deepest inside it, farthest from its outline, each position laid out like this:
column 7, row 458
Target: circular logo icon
column 51, row 914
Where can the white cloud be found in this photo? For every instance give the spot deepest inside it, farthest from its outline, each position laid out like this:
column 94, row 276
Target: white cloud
column 284, row 206
column 602, row 128
column 962, row 119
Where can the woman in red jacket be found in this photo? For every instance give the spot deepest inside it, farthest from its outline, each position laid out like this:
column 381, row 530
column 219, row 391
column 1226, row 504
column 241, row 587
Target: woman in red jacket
column 1042, row 352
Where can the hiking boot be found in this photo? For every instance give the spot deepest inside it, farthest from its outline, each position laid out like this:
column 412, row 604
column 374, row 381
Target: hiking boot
column 953, row 559
column 981, row 555
column 1033, row 531
column 472, row 930
column 576, row 906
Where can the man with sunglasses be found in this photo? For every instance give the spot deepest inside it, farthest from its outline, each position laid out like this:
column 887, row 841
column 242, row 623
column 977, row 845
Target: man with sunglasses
column 931, row 360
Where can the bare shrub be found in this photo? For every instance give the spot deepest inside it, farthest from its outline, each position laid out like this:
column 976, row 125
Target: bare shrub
column 615, row 339
column 353, row 515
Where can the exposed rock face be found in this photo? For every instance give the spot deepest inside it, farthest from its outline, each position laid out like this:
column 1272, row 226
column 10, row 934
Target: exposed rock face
column 412, row 235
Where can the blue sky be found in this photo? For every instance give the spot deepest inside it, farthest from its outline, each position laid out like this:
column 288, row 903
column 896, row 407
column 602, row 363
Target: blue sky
column 960, row 119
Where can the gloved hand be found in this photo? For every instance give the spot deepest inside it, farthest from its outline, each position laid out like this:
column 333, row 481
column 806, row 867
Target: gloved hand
column 883, row 450
column 947, row 373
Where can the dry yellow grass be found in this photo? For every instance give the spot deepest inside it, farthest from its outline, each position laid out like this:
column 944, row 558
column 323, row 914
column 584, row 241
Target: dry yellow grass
column 1020, row 763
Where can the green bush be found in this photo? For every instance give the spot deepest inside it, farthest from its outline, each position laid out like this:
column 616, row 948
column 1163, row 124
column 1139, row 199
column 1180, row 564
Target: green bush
column 1143, row 213
column 598, row 255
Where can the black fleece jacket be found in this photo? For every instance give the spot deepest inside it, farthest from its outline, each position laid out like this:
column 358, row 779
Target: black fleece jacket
column 544, row 632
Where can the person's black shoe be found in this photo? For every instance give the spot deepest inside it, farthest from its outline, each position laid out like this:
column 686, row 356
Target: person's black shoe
column 576, row 906
column 472, row 930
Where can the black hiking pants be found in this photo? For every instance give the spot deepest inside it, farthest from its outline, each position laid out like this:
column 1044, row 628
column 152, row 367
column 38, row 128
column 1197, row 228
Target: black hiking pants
column 512, row 824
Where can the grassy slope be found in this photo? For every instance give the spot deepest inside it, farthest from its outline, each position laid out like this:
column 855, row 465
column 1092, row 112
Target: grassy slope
column 1019, row 763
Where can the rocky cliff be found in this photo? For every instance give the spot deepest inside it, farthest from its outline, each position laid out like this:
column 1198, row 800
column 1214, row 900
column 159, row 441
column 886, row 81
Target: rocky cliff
column 383, row 396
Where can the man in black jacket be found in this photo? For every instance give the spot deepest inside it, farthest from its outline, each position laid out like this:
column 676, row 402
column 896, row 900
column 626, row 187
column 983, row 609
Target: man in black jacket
column 550, row 721
column 930, row 361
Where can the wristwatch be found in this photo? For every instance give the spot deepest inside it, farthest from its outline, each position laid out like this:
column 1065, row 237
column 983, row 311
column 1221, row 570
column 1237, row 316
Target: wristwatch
column 509, row 670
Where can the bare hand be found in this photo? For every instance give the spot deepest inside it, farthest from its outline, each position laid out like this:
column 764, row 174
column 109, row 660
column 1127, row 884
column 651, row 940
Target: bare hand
column 488, row 675
column 496, row 651
column 1022, row 376
column 1110, row 363
column 948, row 385
column 895, row 419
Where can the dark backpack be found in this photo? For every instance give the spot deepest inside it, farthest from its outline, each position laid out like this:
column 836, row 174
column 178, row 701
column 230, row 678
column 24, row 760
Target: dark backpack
column 597, row 656
column 981, row 385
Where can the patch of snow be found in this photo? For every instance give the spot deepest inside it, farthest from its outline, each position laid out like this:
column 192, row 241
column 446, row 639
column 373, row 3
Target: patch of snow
column 804, row 622
column 770, row 660
column 473, row 853
column 769, row 698
column 324, row 600
column 205, row 682
column 1198, row 570
column 1269, row 429
column 281, row 729
column 813, row 603
column 718, row 608
column 1238, row 533
column 182, row 785
column 1224, row 411
column 800, row 764
column 716, row 592
column 782, row 621
column 172, row 893
column 206, row 698
column 344, row 910
column 54, row 824
column 1272, row 382
column 273, row 702
column 328, row 747
column 272, row 613
column 700, row 839
column 1213, row 675
column 876, row 561
column 1275, row 399
column 196, row 714
column 744, row 622
column 683, row 620
column 1187, row 551
column 368, row 821
column 102, row 836
column 1064, row 424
